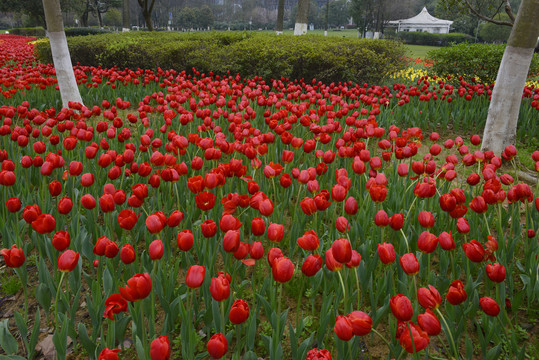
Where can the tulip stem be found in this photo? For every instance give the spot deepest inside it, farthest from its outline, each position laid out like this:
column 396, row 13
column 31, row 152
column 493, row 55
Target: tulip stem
column 381, row 337
column 486, row 222
column 405, row 239
column 56, row 299
column 412, row 339
column 358, row 290
column 343, row 288
column 449, row 334
column 238, row 344
column 222, row 305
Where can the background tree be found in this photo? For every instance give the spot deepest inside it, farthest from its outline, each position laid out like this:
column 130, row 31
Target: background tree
column 491, row 32
column 126, row 21
column 302, row 17
column 147, row 8
column 60, row 52
column 280, row 17
column 502, row 120
column 32, row 8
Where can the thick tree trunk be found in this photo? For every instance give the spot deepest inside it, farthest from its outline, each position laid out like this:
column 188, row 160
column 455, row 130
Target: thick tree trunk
column 60, row 53
column 280, row 18
column 126, row 26
column 148, row 20
column 302, row 17
column 327, row 18
column 501, row 126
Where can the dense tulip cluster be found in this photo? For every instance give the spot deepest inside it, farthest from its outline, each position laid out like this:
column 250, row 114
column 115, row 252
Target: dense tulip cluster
column 206, row 202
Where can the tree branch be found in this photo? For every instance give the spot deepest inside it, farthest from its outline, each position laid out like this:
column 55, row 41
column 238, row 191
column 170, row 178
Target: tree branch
column 151, row 6
column 486, row 18
column 509, row 11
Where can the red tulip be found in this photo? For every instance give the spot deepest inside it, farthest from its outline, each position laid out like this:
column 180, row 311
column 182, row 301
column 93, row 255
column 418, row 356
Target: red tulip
column 378, row 193
column 185, row 240
column 65, row 205
column 108, row 354
column 401, row 307
column 350, row 206
column 396, row 221
column 343, row 328
column 427, row 242
column 496, row 272
column 429, row 298
column 195, row 276
column 208, row 228
column 386, row 252
column 331, row 263
column 13, row 204
column 448, row 202
column 282, row 269
column 217, row 346
column 446, row 241
column 154, row 224
column 462, row 225
column 308, row 206
column 205, row 200
column 220, row 287
column 421, row 338
column 229, row 222
column 317, row 354
column 429, row 322
column 138, row 287
column 342, row 250
column 55, row 188
column 426, row 219
column 127, row 219
column 478, row 205
column 87, row 179
column 257, row 250
column 231, row 241
column 114, row 304
column 354, row 261
column 273, row 254
column 309, row 241
column 456, row 293
column 409, row 263
column 489, row 306
column 61, row 240
column 156, row 249
column 361, row 323
column 160, row 348
column 258, row 226
column 106, row 203
column 275, row 232
column 127, row 254
column 312, row 264
column 474, row 251
column 381, row 219
column 68, row 260
column 13, row 257
column 44, row 224
column 175, row 218
column 239, row 312
column 88, row 201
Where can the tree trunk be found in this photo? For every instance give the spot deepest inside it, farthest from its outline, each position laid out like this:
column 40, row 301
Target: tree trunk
column 501, row 126
column 60, row 53
column 280, row 18
column 327, row 18
column 302, row 17
column 126, row 26
column 148, row 20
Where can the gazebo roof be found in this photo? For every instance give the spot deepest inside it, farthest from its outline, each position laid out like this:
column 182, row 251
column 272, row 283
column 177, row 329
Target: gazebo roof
column 423, row 18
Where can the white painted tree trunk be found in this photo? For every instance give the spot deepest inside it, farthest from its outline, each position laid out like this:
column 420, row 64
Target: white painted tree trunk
column 302, row 17
column 300, row 29
column 69, row 90
column 502, row 120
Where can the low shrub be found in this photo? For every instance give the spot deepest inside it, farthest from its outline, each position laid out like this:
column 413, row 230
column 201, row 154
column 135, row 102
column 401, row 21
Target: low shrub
column 479, row 62
column 425, row 38
column 33, row 32
column 82, row 31
column 247, row 53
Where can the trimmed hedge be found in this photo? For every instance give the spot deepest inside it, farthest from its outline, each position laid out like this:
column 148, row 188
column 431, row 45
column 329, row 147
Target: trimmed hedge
column 40, row 32
column 478, row 61
column 425, row 38
column 247, row 53
column 32, row 32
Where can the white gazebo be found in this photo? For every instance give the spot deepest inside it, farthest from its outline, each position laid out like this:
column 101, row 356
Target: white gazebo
column 422, row 22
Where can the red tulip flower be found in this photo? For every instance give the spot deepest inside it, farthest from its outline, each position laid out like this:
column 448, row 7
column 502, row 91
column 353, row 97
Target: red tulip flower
column 489, row 306
column 331, row 263
column 421, row 338
column 426, row 219
column 427, row 242
column 386, row 252
column 195, row 276
column 401, row 307
column 474, row 251
column 154, row 224
column 156, row 249
column 220, row 287
column 342, row 250
column 231, row 241
column 446, row 241
column 185, row 240
column 317, row 354
column 127, row 254
column 88, row 201
column 381, row 219
column 258, row 226
column 239, row 312
column 68, row 260
column 429, row 298
column 495, row 272
column 275, row 232
column 456, row 293
column 205, row 200
column 361, row 323
column 217, row 346
column 409, row 263
column 462, row 225
column 396, row 221
column 308, row 206
column 61, row 240
column 343, row 328
column 257, row 250
column 208, row 228
column 109, row 354
column 13, row 204
column 13, row 257
column 312, row 264
column 65, row 205
column 138, row 287
column 342, row 224
column 429, row 322
column 44, row 224
column 114, row 304
column 160, row 348
column 309, row 241
column 355, row 260
column 282, row 269
column 127, row 219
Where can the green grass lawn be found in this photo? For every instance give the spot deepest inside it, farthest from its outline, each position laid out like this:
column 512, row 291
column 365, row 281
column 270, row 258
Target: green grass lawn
column 419, row 51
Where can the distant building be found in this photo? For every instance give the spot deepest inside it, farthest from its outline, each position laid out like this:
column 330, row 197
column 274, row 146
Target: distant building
column 422, row 22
